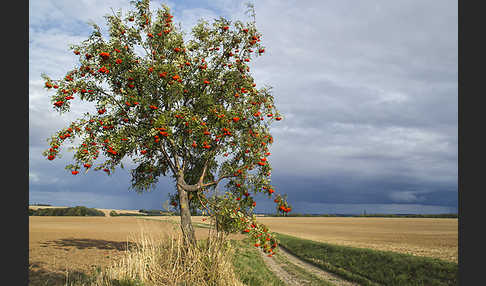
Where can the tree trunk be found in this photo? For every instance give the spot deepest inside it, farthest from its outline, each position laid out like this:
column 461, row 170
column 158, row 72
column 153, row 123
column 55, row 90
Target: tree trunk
column 186, row 222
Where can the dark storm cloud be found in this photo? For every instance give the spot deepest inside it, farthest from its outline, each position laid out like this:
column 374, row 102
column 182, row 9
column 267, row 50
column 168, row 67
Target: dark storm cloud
column 51, row 183
column 341, row 189
column 322, row 101
column 369, row 95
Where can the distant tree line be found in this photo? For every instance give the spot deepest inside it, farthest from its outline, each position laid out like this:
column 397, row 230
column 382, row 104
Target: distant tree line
column 70, row 211
column 153, row 212
column 450, row 215
column 143, row 212
column 114, row 213
column 299, row 215
column 194, row 212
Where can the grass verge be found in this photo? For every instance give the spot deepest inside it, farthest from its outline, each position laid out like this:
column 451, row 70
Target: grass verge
column 294, row 270
column 372, row 267
column 249, row 266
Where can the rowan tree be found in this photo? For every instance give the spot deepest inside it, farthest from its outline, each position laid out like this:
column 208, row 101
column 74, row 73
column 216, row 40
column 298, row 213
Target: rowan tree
column 188, row 109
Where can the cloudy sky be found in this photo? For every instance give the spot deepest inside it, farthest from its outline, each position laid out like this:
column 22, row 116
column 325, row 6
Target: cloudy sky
column 368, row 90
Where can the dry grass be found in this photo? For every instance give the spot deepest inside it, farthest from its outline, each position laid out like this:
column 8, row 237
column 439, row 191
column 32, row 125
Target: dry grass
column 429, row 237
column 61, row 245
column 156, row 260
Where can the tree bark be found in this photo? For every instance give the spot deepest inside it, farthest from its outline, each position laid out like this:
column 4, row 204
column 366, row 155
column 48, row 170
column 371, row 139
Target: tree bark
column 186, row 222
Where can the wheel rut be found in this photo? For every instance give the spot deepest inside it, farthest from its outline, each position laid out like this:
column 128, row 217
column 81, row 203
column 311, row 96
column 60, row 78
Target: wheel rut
column 291, row 278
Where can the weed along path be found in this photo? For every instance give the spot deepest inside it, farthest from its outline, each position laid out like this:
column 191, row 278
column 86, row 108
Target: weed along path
column 277, row 268
column 294, row 271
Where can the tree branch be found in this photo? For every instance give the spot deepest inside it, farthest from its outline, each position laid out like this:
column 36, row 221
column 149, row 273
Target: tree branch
column 171, row 164
column 194, row 188
column 216, row 181
column 112, row 98
column 174, row 153
column 203, row 173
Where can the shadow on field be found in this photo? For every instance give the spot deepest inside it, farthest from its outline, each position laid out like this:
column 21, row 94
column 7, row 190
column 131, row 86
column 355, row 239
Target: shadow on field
column 83, row 243
column 40, row 276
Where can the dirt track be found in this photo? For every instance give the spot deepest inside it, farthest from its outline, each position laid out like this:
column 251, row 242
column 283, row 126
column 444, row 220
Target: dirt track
column 276, row 267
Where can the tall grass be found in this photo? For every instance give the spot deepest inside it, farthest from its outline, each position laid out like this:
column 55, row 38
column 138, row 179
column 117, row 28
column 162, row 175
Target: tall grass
column 155, row 261
column 164, row 260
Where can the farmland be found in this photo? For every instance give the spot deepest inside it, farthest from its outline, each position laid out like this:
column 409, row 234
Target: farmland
column 437, row 238
column 428, row 237
column 78, row 245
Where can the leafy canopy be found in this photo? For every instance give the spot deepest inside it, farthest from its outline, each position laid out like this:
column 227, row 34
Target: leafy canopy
column 185, row 108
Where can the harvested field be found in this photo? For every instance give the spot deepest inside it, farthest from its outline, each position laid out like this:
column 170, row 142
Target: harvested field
column 429, row 237
column 77, row 245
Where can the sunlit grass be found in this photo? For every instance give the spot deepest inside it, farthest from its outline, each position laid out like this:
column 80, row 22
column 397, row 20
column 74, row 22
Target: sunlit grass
column 369, row 267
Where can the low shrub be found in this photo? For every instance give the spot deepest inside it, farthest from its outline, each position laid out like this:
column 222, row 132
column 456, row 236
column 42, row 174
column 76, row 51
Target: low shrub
column 150, row 211
column 71, row 211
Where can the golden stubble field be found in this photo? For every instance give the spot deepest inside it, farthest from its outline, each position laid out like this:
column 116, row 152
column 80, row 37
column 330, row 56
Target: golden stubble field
column 430, row 237
column 60, row 245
